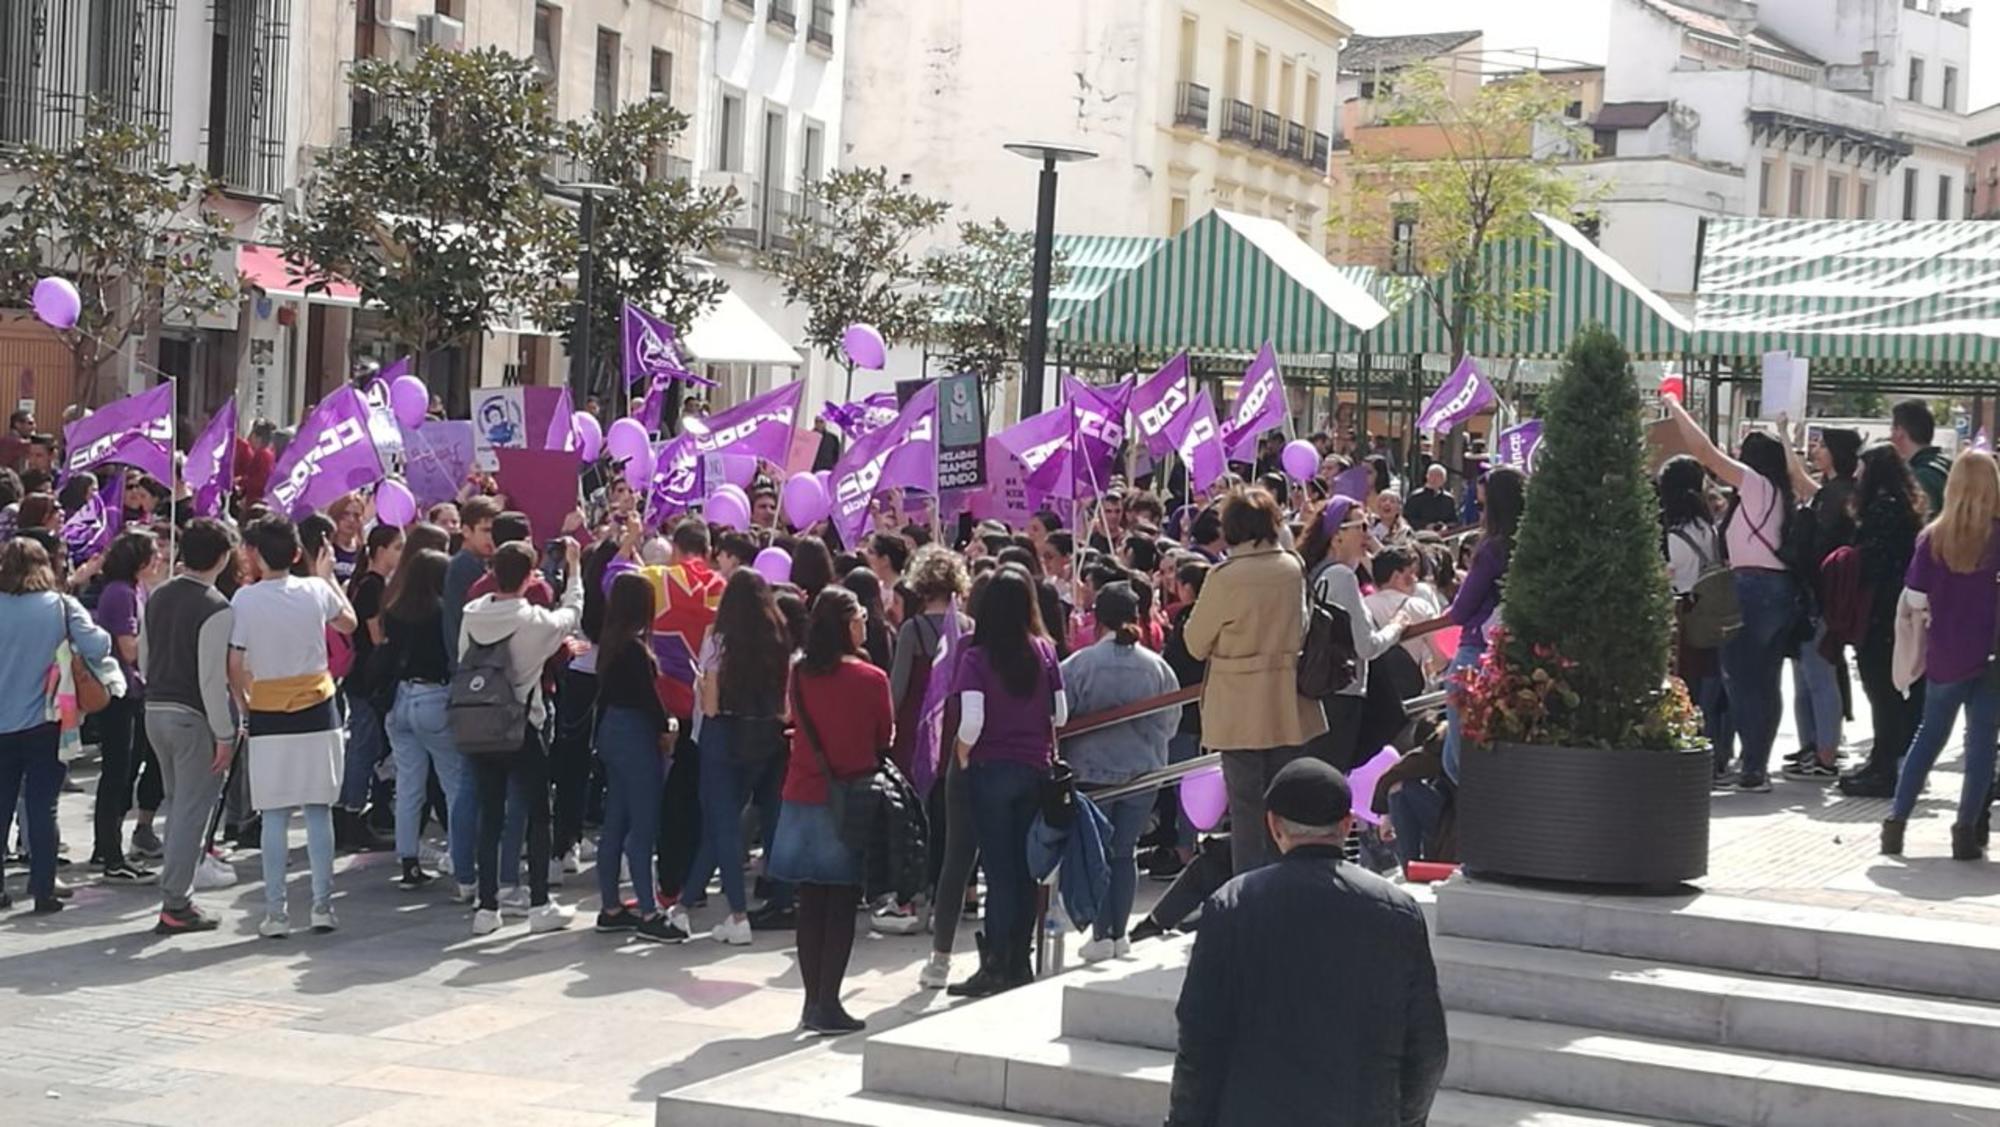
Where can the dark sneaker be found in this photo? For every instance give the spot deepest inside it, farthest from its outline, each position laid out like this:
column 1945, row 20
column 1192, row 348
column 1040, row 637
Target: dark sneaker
column 1863, row 784
column 414, row 877
column 1146, row 928
column 660, row 929
column 146, row 844
column 183, row 921
column 1165, row 865
column 832, row 1022
column 769, row 918
column 1724, row 779
column 124, row 872
column 620, row 920
column 1811, row 769
column 47, row 906
column 1754, row 784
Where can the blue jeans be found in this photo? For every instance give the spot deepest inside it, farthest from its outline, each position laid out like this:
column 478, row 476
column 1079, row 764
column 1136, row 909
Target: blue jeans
column 365, row 748
column 1753, row 662
column 420, row 739
column 1415, row 808
column 1816, row 695
column 275, row 848
column 1470, row 650
column 724, row 793
column 31, row 775
column 1005, row 799
column 628, row 742
column 1716, row 722
column 1980, row 698
column 1128, row 817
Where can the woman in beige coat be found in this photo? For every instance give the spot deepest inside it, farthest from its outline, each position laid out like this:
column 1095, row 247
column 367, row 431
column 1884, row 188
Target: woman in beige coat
column 1248, row 625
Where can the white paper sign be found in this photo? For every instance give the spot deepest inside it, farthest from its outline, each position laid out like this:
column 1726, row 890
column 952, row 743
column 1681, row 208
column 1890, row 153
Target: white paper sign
column 1785, row 382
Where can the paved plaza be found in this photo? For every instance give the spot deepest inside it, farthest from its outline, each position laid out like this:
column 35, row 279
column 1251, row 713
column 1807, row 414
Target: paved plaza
column 403, row 1018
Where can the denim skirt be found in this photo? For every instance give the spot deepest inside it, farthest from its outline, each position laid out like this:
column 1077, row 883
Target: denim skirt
column 807, row 848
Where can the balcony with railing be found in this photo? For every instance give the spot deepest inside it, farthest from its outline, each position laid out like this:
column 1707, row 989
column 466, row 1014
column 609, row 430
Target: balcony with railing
column 1295, row 142
column 1270, row 133
column 1322, row 151
column 1191, row 106
column 783, row 14
column 1239, row 121
column 819, row 28
column 744, row 223
column 780, row 209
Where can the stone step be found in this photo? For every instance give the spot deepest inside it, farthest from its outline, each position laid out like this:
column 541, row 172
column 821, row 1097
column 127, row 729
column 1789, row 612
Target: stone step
column 1602, row 992
column 1837, row 945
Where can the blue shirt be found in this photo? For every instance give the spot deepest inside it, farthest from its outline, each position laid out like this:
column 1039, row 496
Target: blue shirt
column 34, row 625
column 1107, row 675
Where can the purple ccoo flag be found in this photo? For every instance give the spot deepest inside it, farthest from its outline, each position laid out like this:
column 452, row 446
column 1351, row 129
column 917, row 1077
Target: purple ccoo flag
column 1520, row 446
column 760, row 427
column 902, row 454
column 137, row 431
column 1097, row 426
column 1464, row 394
column 652, row 349
column 929, row 750
column 1200, row 447
column 1163, row 406
column 863, row 415
column 211, row 461
column 1042, row 445
column 91, row 528
column 333, row 454
column 1260, row 407
column 677, row 479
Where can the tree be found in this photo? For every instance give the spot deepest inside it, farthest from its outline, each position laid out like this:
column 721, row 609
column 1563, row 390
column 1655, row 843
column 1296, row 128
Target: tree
column 982, row 322
column 435, row 208
column 1598, row 601
column 134, row 234
column 851, row 260
column 1472, row 173
column 650, row 230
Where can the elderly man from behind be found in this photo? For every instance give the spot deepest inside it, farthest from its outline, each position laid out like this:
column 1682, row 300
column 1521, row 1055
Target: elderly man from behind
column 1311, row 999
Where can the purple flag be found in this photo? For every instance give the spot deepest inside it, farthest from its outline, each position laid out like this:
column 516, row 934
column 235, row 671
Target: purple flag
column 1519, row 447
column 902, row 454
column 1042, row 445
column 924, row 764
column 436, row 458
column 676, row 479
column 863, row 415
column 211, row 461
column 136, row 431
column 652, row 349
column 1465, row 393
column 561, row 432
column 1200, row 446
column 1163, row 406
column 333, row 454
column 761, row 426
column 89, row 530
column 1260, row 407
column 1980, row 441
column 649, row 409
column 1097, row 421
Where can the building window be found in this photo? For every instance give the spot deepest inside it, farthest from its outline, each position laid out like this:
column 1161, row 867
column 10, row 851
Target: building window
column 1796, row 202
column 249, row 51
column 1606, row 141
column 1915, row 90
column 1767, row 183
column 1573, row 111
column 1177, row 214
column 1260, row 79
column 1190, row 46
column 1864, row 199
column 1944, row 197
column 548, row 44
column 729, row 134
column 1312, row 102
column 1949, row 100
column 1836, row 195
column 660, row 84
column 812, row 149
column 1232, row 68
column 1909, row 193
column 604, row 89
column 1403, row 241
column 1286, row 72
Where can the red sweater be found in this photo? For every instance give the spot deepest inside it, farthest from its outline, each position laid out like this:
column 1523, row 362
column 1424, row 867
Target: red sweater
column 850, row 709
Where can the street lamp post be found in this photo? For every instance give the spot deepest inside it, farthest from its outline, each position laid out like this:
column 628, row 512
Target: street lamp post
column 580, row 360
column 1036, row 352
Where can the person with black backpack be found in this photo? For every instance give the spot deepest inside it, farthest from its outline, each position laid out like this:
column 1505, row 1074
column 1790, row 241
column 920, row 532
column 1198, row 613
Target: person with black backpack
column 497, row 715
column 1335, row 545
column 1706, row 612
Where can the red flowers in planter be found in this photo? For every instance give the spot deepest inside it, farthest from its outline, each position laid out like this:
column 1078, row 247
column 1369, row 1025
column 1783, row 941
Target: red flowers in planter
column 1522, row 694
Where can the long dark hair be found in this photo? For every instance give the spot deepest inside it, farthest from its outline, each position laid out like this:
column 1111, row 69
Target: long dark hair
column 1683, row 488
column 755, row 648
column 416, row 591
column 1506, row 492
column 379, row 538
column 627, row 621
column 131, row 552
column 828, row 639
column 1886, row 492
column 867, row 588
column 1010, row 618
column 812, row 566
column 1766, row 458
column 595, row 559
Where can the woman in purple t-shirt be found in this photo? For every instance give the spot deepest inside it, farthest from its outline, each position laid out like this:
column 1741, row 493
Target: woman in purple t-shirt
column 1010, row 704
column 131, row 564
column 1952, row 578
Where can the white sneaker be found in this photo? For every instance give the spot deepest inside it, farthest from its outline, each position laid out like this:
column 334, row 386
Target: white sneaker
column 893, row 919
column 465, row 894
column 586, row 850
column 550, row 917
column 1121, row 947
column 212, row 872
column 485, row 922
column 1098, row 950
column 936, row 973
column 556, row 872
column 570, row 863
column 274, row 927
column 323, row 920
column 734, row 932
column 514, row 901
column 678, row 916
column 435, row 859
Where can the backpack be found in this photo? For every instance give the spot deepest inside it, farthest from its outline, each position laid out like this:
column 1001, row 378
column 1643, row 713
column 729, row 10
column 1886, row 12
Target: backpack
column 1713, row 613
column 1328, row 662
column 486, row 717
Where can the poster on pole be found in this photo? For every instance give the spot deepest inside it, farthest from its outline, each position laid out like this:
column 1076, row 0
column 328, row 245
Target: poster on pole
column 961, row 428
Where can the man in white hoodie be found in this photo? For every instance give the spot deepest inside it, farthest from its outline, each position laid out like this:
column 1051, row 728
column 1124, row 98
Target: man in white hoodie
column 532, row 635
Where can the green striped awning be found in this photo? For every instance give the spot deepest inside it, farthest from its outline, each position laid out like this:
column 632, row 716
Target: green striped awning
column 1907, row 294
column 1547, row 288
column 1093, row 262
column 1227, row 284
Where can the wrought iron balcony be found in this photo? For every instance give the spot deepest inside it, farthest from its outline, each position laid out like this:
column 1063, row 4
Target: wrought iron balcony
column 1191, row 106
column 780, row 209
column 1322, row 151
column 1239, row 121
column 1270, row 135
column 1295, row 142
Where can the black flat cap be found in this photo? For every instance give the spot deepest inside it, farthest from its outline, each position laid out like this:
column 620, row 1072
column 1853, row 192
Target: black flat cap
column 1310, row 792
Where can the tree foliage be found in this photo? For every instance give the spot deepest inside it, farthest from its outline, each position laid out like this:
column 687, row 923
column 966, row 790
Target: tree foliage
column 134, row 234
column 1490, row 163
column 982, row 322
column 852, row 259
column 1586, row 583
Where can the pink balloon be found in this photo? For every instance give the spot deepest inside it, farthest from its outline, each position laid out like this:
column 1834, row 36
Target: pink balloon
column 727, row 509
column 57, row 303
column 1204, row 798
column 805, row 500
column 639, row 471
column 863, row 346
column 409, row 399
column 1301, row 459
column 738, row 469
column 1363, row 780
column 627, row 439
column 395, row 505
column 775, row 565
column 735, row 492
column 589, row 435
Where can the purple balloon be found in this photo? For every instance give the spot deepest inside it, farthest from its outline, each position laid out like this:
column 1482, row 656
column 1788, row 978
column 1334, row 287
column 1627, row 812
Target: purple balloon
column 589, row 435
column 58, row 304
column 627, row 439
column 639, row 471
column 1364, row 779
column 805, row 500
column 864, row 347
column 1204, row 798
column 738, row 469
column 775, row 565
column 1300, row 459
column 727, row 509
column 409, row 399
column 395, row 505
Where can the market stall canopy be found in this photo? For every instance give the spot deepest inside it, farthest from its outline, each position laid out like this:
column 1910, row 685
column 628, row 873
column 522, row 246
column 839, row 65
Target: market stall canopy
column 1867, row 291
column 1093, row 263
column 732, row 333
column 265, row 268
column 1548, row 288
column 1227, row 284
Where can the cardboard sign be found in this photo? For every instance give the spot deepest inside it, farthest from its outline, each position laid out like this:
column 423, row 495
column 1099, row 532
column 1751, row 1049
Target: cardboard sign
column 542, row 484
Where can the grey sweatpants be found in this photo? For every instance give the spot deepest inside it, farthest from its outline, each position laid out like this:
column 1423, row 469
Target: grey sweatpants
column 1246, row 775
column 186, row 750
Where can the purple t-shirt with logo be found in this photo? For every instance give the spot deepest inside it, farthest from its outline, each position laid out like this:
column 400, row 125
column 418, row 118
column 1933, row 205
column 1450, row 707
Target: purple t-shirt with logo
column 1016, row 729
column 1963, row 608
column 119, row 608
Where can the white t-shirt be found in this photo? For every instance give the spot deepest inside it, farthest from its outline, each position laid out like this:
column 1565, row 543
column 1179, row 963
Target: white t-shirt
column 1686, row 562
column 1423, row 606
column 281, row 626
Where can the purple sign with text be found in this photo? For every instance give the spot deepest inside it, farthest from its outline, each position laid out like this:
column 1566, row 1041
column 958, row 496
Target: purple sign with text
column 1465, row 393
column 1260, row 407
column 1519, row 447
column 333, row 454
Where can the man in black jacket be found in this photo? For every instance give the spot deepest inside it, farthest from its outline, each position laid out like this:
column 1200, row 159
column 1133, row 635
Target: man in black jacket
column 1432, row 506
column 1311, row 999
